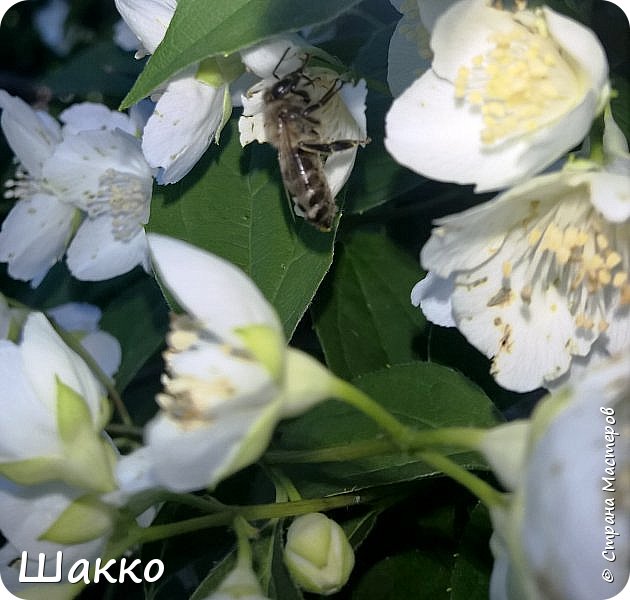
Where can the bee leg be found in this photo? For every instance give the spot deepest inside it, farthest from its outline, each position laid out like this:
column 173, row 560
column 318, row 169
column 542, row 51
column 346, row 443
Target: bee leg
column 332, row 90
column 331, row 147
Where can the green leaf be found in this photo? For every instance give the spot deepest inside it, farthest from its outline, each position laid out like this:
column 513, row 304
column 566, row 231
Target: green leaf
column 417, row 575
column 470, row 579
column 233, row 204
column 102, row 69
column 358, row 528
column 214, row 578
column 274, row 577
column 620, row 104
column 199, row 30
column 422, row 395
column 363, row 316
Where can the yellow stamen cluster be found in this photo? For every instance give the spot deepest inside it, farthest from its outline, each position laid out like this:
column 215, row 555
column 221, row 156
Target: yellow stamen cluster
column 126, row 198
column 189, row 399
column 575, row 249
column 523, row 82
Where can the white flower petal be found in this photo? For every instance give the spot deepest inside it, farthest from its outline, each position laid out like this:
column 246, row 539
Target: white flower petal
column 187, row 458
column 610, row 194
column 276, row 57
column 82, row 318
column 453, row 125
column 80, row 165
column 211, row 289
column 104, row 349
column 349, row 123
column 570, row 459
column 31, row 137
column 17, row 441
column 148, row 19
column 429, row 133
column 185, row 120
column 583, row 44
column 26, row 512
column 76, row 316
column 34, row 236
column 47, row 358
column 530, row 343
column 464, row 31
column 89, row 115
column 433, row 294
column 96, row 253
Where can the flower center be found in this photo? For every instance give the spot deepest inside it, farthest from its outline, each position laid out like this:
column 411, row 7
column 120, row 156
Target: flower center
column 522, row 83
column 586, row 258
column 126, row 198
column 199, row 380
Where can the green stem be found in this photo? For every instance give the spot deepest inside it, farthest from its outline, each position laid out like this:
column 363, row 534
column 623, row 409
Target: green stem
column 107, row 382
column 250, row 513
column 484, row 491
column 459, row 437
column 124, row 430
column 243, row 531
column 346, row 392
column 285, row 490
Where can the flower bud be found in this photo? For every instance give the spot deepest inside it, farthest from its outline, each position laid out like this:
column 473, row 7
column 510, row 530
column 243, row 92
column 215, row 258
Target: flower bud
column 318, row 554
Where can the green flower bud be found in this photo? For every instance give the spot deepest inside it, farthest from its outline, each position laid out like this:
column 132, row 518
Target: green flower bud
column 318, row 554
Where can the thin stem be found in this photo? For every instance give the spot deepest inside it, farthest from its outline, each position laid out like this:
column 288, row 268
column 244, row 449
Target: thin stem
column 285, row 490
column 107, row 382
column 458, row 437
column 484, row 491
column 250, row 513
column 346, row 392
column 243, row 531
column 124, row 430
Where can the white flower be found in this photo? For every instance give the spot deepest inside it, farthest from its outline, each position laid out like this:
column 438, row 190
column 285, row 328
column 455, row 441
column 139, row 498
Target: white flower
column 191, row 108
column 55, row 462
column 54, row 432
column 89, row 174
column 538, row 276
column 27, row 513
column 76, row 318
column 563, row 523
column 341, row 118
column 229, row 375
column 507, row 94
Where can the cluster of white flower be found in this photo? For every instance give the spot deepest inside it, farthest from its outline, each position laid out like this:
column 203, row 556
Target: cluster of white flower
column 82, row 189
column 537, row 279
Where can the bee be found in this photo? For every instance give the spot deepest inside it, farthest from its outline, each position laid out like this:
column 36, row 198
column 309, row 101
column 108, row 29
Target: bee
column 292, row 127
